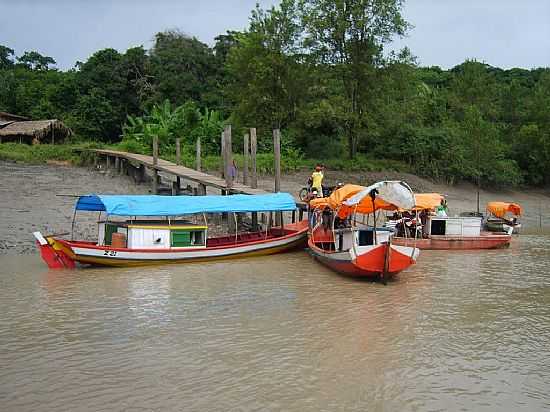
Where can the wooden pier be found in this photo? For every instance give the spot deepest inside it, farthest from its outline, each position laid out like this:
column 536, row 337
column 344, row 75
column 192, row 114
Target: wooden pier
column 136, row 165
column 203, row 180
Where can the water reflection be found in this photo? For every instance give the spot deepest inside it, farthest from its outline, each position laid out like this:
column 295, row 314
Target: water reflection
column 460, row 330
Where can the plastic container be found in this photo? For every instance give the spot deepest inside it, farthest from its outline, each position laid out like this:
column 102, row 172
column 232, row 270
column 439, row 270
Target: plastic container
column 118, row 240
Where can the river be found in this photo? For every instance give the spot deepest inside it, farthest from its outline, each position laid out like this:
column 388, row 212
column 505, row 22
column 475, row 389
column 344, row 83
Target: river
column 458, row 331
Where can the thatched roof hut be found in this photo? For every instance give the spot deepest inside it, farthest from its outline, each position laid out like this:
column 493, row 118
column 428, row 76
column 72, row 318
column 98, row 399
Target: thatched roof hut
column 9, row 117
column 34, row 131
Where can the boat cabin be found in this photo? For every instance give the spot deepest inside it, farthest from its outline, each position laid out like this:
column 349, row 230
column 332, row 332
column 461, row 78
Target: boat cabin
column 151, row 234
column 342, row 239
column 453, row 226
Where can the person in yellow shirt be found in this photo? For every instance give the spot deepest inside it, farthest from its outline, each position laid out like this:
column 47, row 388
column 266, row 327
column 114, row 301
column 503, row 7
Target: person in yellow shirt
column 317, row 180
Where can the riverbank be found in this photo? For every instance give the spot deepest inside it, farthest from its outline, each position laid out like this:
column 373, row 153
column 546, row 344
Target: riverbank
column 29, row 198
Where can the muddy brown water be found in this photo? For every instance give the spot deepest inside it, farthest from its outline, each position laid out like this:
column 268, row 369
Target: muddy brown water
column 457, row 331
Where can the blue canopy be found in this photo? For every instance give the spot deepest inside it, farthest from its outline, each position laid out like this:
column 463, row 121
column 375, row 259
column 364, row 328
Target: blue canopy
column 150, row 205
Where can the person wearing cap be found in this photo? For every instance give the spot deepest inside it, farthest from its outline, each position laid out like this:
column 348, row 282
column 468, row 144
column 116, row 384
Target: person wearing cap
column 317, row 180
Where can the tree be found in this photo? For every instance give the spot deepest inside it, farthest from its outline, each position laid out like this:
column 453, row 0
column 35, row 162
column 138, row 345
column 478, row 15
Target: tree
column 266, row 79
column 35, row 61
column 349, row 35
column 6, row 59
column 183, row 69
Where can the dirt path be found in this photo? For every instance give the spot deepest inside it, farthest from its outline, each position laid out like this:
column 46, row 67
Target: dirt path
column 29, row 198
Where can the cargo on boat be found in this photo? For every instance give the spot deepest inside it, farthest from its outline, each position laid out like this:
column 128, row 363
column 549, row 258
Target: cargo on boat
column 429, row 221
column 340, row 238
column 156, row 232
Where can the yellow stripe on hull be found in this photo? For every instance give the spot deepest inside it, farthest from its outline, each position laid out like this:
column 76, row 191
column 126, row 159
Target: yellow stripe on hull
column 100, row 261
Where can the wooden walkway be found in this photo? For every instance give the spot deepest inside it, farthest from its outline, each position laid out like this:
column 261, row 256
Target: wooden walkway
column 181, row 171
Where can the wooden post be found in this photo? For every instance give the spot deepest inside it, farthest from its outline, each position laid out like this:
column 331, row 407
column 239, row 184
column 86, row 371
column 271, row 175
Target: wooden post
column 254, row 176
column 142, row 175
column 175, row 188
column 253, row 148
column 245, row 166
column 53, row 134
column 201, row 190
column 178, row 162
column 228, row 157
column 277, row 167
column 117, row 164
column 198, row 158
column 222, row 154
column 277, row 158
column 155, row 162
column 108, row 162
column 178, row 151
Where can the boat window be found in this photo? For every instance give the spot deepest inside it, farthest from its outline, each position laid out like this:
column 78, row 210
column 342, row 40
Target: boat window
column 180, row 238
column 438, row 227
column 198, row 237
column 366, row 237
column 187, row 237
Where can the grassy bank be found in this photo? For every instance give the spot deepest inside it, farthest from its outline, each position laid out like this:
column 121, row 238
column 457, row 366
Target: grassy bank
column 41, row 154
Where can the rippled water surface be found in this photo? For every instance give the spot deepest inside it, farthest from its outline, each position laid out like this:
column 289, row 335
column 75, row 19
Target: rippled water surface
column 459, row 331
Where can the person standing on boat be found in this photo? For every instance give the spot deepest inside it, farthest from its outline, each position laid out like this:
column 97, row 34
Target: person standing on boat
column 442, row 210
column 317, row 180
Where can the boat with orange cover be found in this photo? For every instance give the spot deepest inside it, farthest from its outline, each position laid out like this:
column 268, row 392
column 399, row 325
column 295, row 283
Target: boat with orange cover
column 442, row 232
column 503, row 217
column 348, row 245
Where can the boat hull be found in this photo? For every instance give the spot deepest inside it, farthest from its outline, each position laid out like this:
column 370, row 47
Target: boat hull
column 91, row 254
column 484, row 241
column 369, row 264
column 496, row 226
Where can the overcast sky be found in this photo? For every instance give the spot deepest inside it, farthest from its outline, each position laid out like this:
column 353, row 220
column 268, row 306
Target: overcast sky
column 504, row 33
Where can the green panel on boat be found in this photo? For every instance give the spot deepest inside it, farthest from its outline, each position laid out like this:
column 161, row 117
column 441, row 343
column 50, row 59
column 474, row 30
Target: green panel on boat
column 181, row 238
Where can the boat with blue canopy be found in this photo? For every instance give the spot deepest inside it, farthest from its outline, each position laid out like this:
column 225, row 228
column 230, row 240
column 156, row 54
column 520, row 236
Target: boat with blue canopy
column 150, row 229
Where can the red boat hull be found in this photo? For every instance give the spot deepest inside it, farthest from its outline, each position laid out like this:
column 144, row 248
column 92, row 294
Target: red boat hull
column 371, row 264
column 484, row 241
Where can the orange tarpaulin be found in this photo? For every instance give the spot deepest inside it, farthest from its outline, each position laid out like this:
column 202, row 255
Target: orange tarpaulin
column 427, row 200
column 336, row 202
column 499, row 209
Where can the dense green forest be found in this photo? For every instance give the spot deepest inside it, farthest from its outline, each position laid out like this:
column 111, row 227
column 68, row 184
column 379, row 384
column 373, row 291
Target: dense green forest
column 322, row 72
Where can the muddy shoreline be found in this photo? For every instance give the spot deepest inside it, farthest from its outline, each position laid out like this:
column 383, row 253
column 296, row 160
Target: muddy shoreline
column 30, row 201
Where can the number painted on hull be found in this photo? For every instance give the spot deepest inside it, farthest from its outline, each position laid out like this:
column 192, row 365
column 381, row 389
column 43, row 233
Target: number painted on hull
column 110, row 253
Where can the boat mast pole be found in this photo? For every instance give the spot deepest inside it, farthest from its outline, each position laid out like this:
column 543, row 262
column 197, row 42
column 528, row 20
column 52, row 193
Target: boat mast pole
column 373, row 196
column 72, row 224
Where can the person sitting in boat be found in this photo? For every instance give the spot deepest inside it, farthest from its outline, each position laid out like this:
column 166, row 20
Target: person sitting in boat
column 317, row 180
column 442, row 210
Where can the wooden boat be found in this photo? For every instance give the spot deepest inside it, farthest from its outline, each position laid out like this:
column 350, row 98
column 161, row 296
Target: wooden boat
column 449, row 233
column 145, row 242
column 338, row 241
column 498, row 221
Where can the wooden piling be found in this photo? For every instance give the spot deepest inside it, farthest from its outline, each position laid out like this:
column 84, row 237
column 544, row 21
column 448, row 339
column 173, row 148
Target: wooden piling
column 117, row 165
column 155, row 162
column 277, row 158
column 253, row 149
column 198, row 155
column 201, row 189
column 246, row 154
column 142, row 175
column 178, row 162
column 277, row 168
column 254, row 174
column 222, row 155
column 228, row 157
